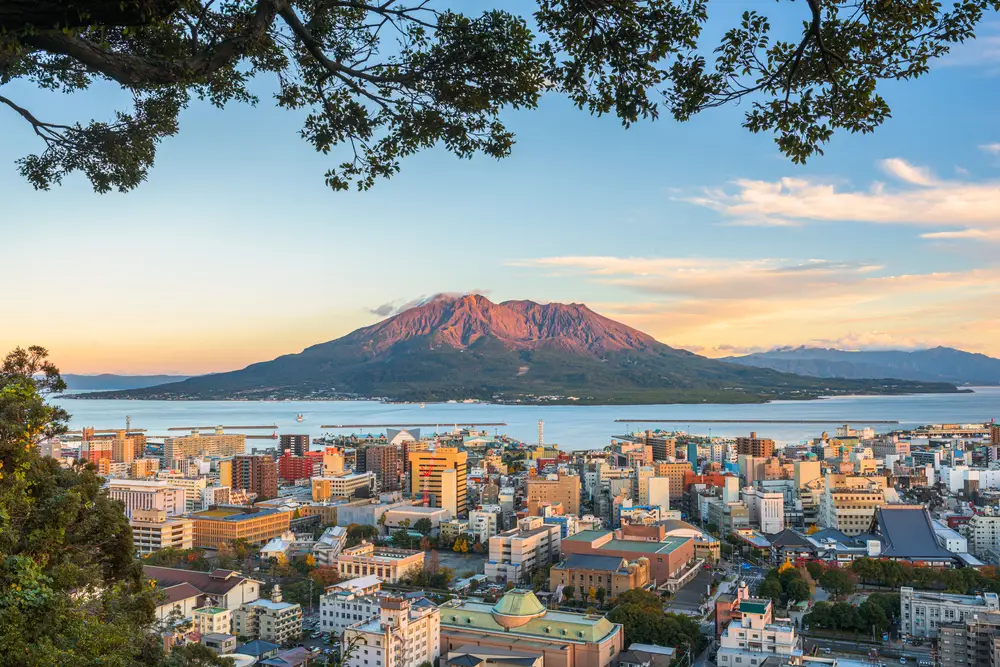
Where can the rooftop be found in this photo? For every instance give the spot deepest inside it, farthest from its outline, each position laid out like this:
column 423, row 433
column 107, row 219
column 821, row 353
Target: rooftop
column 587, row 536
column 232, row 513
column 588, row 562
column 210, row 610
column 271, row 604
column 754, row 606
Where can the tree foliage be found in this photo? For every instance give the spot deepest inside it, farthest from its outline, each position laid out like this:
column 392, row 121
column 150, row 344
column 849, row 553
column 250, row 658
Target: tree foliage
column 641, row 615
column 71, row 590
column 838, row 582
column 378, row 82
column 875, row 613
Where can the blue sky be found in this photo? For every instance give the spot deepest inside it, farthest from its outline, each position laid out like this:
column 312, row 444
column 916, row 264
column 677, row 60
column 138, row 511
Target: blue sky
column 234, row 251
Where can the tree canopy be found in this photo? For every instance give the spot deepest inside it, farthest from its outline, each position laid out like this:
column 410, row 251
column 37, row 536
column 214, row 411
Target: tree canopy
column 381, row 81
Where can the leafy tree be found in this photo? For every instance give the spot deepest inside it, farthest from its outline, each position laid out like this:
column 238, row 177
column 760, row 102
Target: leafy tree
column 641, row 598
column 195, row 655
column 382, row 81
column 872, row 615
column 71, row 590
column 569, row 592
column 601, row 594
column 591, row 593
column 798, row 590
column 423, row 526
column 815, row 569
column 838, row 582
column 770, row 588
column 325, row 575
column 356, row 533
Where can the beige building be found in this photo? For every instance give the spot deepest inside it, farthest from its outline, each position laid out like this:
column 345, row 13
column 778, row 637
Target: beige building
column 142, row 494
column 563, row 489
column 514, row 554
column 224, row 525
column 197, row 445
column 402, row 635
column 848, row 503
column 519, row 622
column 613, row 574
column 343, row 486
column 153, row 530
column 428, row 472
column 270, row 620
column 212, row 619
column 388, row 564
column 144, row 468
column 675, row 471
column 805, row 472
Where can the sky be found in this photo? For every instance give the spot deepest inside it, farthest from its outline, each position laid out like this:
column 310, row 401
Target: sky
column 700, row 234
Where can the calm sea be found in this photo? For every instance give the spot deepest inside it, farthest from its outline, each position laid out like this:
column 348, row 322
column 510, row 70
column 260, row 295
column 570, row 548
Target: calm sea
column 572, row 427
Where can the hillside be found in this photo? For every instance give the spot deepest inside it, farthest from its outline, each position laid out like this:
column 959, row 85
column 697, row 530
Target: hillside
column 107, row 381
column 469, row 347
column 939, row 364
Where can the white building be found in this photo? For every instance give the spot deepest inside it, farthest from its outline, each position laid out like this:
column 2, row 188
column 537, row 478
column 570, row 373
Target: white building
column 396, row 517
column 484, row 522
column 404, row 634
column 215, row 495
column 329, row 545
column 756, row 637
column 147, row 495
column 950, row 539
column 515, row 553
column 153, row 530
column 193, row 488
column 922, row 612
column 659, row 493
column 271, row 620
column 767, row 509
column 339, row 609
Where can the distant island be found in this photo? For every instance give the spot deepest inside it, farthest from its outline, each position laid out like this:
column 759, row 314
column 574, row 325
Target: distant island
column 108, row 381
column 459, row 348
column 937, row 364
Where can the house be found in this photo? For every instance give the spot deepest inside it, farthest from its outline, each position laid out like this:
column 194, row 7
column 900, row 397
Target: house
column 260, row 649
column 178, row 602
column 218, row 588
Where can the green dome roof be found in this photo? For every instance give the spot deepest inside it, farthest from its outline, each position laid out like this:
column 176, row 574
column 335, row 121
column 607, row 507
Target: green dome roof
column 517, row 607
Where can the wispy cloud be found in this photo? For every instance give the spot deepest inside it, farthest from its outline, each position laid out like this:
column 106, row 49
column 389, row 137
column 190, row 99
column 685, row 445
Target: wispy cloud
column 993, row 149
column 397, row 306
column 919, row 199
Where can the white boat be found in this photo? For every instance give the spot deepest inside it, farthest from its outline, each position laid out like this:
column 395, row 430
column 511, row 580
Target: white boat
column 300, row 418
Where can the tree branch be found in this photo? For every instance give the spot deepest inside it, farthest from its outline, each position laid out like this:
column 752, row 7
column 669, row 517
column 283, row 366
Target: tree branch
column 17, row 16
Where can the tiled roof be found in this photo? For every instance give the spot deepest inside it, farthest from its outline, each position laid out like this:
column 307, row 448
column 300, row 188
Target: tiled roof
column 588, row 562
column 906, row 532
column 218, row 582
column 178, row 592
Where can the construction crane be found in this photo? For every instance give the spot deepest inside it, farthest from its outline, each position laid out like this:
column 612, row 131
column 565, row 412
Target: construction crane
column 424, row 482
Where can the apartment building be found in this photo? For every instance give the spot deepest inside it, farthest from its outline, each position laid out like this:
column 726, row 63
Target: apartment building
column 144, row 468
column 197, row 444
column 563, row 489
column 212, row 619
column 484, row 523
column 292, row 468
column 386, row 462
column 983, row 533
column 270, row 620
column 256, row 474
column 756, row 637
column 295, row 444
column 974, row 642
column 515, row 553
column 754, row 446
column 361, row 484
column 225, row 524
column 442, row 473
column 675, row 471
column 142, row 494
column 923, row 612
column 388, row 564
column 153, row 530
column 340, row 609
column 404, row 634
column 766, row 509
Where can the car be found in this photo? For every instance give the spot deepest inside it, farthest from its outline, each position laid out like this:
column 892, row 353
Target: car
column 826, row 650
column 902, row 660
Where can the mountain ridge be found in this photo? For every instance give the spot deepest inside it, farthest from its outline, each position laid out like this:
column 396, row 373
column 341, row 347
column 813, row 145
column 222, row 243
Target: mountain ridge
column 936, row 364
column 453, row 348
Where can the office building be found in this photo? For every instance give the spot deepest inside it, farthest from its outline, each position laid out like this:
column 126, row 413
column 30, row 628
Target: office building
column 563, row 489
column 755, row 637
column 296, row 445
column 613, row 574
column 387, row 563
column 670, row 558
column 806, row 472
column 145, row 494
column 386, row 462
column 983, row 531
column 225, row 524
column 641, row 491
column 428, row 473
column 197, row 445
column 659, row 493
column 692, row 455
column 519, row 622
column 333, row 461
column 766, row 509
column 754, row 446
column 361, row 485
column 485, row 523
column 849, row 503
column 270, row 620
column 406, row 633
column 144, row 468
column 256, row 474
column 675, row 471
column 515, row 553
column 153, row 530
column 923, row 612
column 292, row 468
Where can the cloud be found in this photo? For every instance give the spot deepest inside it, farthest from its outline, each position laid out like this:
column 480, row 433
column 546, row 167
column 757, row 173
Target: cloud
column 981, row 53
column 920, row 200
column 993, row 149
column 972, row 233
column 398, row 306
column 734, row 306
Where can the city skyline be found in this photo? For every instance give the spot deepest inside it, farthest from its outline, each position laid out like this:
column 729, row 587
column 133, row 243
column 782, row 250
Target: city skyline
column 700, row 234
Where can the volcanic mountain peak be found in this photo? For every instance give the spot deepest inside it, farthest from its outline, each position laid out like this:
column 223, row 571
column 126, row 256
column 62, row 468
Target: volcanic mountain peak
column 460, row 322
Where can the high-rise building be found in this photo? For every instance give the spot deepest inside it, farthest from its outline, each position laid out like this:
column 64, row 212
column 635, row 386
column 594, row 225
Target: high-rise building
column 386, row 461
column 675, row 471
column 754, row 446
column 692, row 455
column 766, row 509
column 257, row 474
column 563, row 489
column 153, row 530
column 849, row 503
column 194, row 445
column 663, row 445
column 292, row 467
column 298, row 445
column 642, row 476
column 995, row 434
column 427, row 473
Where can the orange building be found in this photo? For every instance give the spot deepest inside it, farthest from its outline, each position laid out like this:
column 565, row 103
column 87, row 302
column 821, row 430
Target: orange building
column 564, row 489
column 225, row 524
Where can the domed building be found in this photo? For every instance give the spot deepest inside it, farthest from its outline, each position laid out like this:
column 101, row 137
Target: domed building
column 519, row 622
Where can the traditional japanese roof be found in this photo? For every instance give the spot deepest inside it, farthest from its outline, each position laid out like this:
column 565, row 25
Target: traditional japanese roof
column 789, row 538
column 906, row 532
